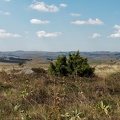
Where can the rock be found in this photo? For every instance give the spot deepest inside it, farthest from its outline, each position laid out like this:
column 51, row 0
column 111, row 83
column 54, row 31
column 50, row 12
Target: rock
column 26, row 71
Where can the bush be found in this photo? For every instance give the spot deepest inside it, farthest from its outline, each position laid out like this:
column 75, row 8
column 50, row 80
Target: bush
column 74, row 65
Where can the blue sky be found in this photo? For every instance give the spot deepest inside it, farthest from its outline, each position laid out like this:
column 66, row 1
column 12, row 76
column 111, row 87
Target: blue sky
column 60, row 25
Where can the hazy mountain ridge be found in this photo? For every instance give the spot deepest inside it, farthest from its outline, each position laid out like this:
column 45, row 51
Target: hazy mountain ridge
column 97, row 55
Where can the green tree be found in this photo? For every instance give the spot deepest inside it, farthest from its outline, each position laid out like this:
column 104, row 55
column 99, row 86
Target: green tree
column 74, row 65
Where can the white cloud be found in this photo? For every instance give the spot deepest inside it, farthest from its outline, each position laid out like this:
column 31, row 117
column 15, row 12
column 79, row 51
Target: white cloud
column 95, row 22
column 89, row 22
column 41, row 6
column 117, row 26
column 43, row 34
column 36, row 21
column 95, row 35
column 116, row 34
column 75, row 14
column 63, row 5
column 4, row 34
column 5, row 13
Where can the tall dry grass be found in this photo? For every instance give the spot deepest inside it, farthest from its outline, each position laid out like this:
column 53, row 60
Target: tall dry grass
column 41, row 97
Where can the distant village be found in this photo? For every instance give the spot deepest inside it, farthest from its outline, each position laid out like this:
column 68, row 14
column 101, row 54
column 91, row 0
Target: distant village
column 13, row 59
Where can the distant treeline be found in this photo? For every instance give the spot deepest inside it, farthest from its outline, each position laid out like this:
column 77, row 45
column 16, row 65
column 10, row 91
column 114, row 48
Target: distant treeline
column 13, row 59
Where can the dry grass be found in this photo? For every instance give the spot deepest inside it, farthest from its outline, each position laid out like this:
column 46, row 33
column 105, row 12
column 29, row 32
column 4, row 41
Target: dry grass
column 41, row 97
column 36, row 62
column 105, row 70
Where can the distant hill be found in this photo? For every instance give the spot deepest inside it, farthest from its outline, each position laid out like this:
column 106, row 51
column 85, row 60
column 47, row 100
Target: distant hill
column 101, row 55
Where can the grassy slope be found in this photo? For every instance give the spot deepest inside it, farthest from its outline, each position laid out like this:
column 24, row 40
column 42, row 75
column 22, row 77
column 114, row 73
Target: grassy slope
column 40, row 97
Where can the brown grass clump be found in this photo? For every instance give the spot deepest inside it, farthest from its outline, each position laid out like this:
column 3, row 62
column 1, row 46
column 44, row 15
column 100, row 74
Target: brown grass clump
column 39, row 70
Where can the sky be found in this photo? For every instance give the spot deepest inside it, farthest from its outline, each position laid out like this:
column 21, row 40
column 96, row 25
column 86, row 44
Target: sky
column 60, row 25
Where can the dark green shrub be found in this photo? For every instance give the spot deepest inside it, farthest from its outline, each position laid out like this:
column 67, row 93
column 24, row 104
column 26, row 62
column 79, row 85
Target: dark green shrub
column 61, row 66
column 74, row 65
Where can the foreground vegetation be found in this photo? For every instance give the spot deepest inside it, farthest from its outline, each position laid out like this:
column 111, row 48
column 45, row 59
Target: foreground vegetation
column 69, row 90
column 41, row 97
